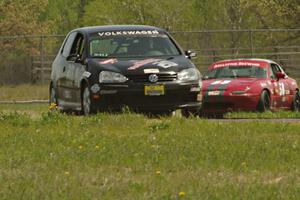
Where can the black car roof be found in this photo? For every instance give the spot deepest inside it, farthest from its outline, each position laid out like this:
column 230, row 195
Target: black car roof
column 93, row 29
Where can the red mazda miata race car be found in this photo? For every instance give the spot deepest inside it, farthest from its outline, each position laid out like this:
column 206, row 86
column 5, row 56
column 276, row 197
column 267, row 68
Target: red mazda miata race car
column 248, row 85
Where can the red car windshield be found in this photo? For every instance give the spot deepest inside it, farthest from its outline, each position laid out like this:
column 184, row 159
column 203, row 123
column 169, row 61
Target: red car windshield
column 237, row 71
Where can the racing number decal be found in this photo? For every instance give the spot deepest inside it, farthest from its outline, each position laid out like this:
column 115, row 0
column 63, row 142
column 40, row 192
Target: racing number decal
column 281, row 89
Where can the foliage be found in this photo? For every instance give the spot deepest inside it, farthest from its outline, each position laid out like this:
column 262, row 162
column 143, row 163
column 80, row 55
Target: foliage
column 59, row 16
column 20, row 17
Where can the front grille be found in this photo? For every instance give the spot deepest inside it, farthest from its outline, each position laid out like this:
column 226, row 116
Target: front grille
column 144, row 78
column 139, row 100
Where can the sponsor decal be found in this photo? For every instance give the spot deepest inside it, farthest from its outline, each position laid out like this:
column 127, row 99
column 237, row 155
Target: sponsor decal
column 95, row 88
column 108, row 61
column 239, row 63
column 133, row 32
column 140, row 63
column 263, row 84
column 281, row 89
column 165, row 64
column 158, row 62
column 86, row 74
column 101, row 54
column 151, row 71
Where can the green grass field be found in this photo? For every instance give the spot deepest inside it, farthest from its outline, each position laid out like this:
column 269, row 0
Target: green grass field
column 48, row 155
column 24, row 92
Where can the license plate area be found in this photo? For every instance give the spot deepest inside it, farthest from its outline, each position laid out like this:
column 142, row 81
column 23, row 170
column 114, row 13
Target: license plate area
column 214, row 93
column 154, row 90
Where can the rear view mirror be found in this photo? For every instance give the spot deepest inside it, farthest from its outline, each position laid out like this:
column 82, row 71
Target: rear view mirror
column 280, row 75
column 190, row 54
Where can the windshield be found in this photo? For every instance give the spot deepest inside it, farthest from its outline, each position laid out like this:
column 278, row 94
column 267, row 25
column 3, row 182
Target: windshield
column 237, row 71
column 132, row 46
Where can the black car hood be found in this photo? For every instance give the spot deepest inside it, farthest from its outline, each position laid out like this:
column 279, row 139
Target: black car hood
column 129, row 66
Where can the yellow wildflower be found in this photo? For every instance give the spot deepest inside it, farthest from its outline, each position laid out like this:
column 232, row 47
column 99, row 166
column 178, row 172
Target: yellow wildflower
column 67, row 173
column 53, row 106
column 158, row 172
column 181, row 194
column 80, row 147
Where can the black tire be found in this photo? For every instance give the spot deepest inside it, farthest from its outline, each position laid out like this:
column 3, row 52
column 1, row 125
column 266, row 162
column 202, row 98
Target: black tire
column 87, row 106
column 52, row 95
column 264, row 102
column 296, row 102
column 190, row 112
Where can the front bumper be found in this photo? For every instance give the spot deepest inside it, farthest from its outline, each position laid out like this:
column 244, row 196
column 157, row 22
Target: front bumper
column 177, row 95
column 229, row 103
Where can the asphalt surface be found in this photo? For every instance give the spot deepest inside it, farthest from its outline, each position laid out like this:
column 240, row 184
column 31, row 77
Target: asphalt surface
column 279, row 120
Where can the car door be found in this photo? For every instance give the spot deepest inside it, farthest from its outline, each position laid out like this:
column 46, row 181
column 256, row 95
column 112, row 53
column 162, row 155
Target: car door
column 73, row 63
column 78, row 67
column 280, row 87
column 286, row 89
column 63, row 84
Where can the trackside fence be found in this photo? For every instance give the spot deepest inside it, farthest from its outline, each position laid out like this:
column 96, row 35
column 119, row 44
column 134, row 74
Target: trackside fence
column 28, row 58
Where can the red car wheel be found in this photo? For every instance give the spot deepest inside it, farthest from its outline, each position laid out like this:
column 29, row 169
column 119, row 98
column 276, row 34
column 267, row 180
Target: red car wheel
column 264, row 102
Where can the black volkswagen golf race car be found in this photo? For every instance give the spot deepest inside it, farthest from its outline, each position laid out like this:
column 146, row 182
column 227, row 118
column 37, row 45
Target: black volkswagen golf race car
column 105, row 68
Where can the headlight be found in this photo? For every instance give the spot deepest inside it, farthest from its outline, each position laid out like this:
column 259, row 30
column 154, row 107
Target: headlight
column 111, row 77
column 190, row 74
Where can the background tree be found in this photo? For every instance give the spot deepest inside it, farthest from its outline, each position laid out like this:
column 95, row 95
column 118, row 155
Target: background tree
column 20, row 17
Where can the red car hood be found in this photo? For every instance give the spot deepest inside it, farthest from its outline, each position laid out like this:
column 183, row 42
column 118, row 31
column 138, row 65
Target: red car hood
column 237, row 84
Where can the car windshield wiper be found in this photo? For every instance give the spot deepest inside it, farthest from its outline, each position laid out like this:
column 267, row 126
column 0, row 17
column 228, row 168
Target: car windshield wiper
column 227, row 77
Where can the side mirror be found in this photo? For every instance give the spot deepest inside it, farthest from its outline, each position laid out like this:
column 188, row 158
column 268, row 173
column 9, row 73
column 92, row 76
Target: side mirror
column 205, row 77
column 74, row 58
column 190, row 54
column 280, row 75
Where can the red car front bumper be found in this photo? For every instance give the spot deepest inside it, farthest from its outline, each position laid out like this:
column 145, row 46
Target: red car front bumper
column 229, row 103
